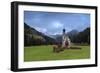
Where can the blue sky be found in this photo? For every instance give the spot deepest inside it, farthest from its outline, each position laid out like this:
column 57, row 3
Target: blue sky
column 52, row 23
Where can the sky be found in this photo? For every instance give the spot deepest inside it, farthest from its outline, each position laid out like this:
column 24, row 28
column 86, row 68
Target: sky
column 52, row 23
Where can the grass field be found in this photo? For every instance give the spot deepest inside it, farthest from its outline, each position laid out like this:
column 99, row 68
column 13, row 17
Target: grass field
column 45, row 52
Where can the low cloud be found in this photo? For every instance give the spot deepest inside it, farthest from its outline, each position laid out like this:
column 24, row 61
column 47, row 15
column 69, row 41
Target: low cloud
column 57, row 24
column 43, row 30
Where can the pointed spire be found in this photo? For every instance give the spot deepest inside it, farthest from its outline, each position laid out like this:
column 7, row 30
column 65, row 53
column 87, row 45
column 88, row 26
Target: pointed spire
column 64, row 30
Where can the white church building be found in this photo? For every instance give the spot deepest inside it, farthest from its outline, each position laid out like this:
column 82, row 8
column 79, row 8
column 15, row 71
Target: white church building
column 65, row 40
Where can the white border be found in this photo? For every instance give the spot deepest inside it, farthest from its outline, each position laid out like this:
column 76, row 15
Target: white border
column 22, row 64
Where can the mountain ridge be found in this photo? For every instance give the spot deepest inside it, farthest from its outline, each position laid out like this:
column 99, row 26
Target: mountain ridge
column 34, row 37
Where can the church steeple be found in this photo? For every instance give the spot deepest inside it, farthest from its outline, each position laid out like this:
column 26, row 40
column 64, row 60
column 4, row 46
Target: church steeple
column 64, row 31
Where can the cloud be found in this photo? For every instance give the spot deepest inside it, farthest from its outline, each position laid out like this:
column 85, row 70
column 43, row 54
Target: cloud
column 57, row 33
column 43, row 30
column 57, row 24
column 53, row 23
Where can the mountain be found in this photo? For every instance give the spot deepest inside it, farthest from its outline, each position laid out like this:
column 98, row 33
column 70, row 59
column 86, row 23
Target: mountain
column 73, row 32
column 83, row 36
column 54, row 36
column 75, row 36
column 34, row 37
column 70, row 34
column 30, row 30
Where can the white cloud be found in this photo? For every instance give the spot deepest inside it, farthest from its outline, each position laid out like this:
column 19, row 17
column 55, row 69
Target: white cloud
column 57, row 25
column 57, row 33
column 43, row 30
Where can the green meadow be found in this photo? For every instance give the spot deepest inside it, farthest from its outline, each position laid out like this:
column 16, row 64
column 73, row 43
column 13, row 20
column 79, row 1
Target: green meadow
column 45, row 52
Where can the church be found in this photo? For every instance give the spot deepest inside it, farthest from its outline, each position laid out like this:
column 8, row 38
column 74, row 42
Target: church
column 65, row 40
column 66, row 43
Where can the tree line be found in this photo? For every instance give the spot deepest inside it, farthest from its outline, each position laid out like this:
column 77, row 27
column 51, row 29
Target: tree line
column 34, row 37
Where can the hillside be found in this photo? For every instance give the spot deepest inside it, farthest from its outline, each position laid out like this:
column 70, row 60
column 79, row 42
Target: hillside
column 70, row 34
column 83, row 36
column 34, row 37
column 75, row 36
